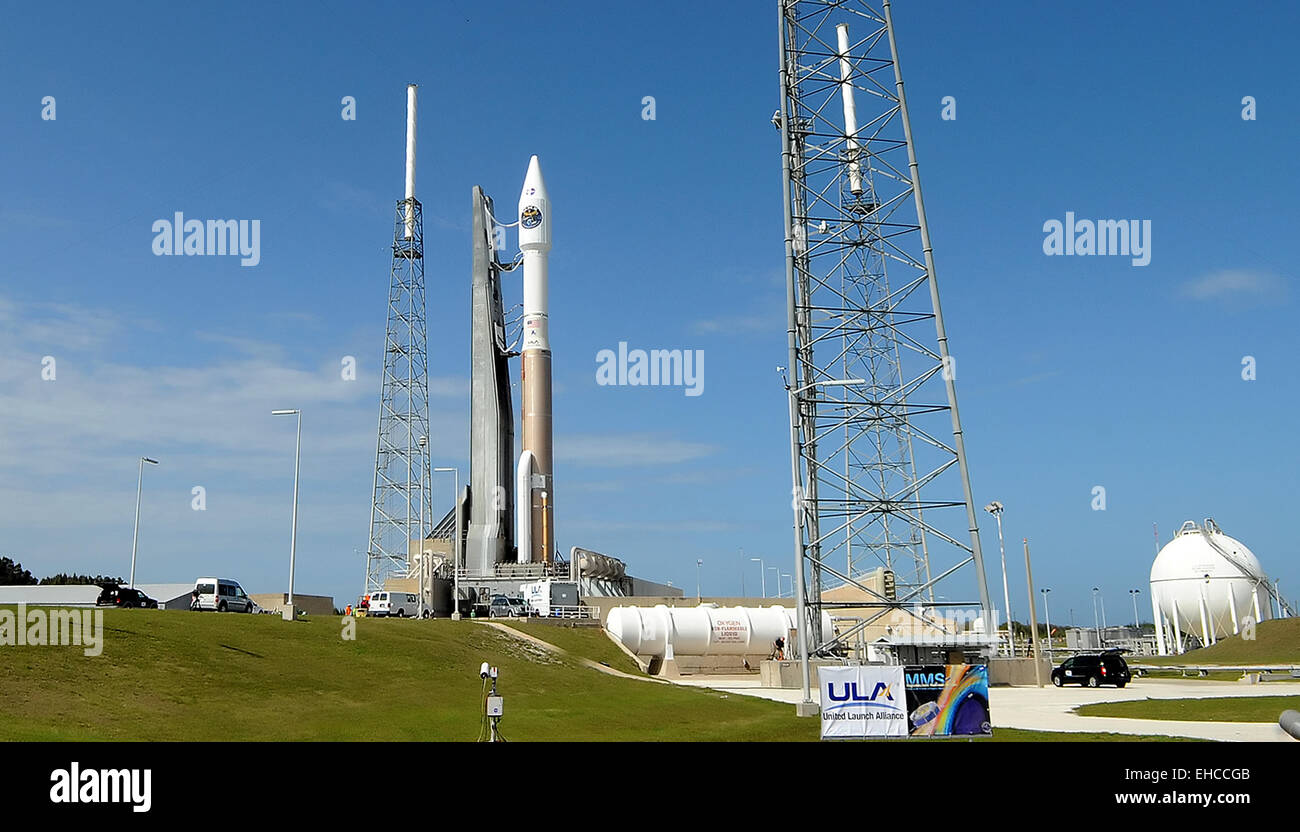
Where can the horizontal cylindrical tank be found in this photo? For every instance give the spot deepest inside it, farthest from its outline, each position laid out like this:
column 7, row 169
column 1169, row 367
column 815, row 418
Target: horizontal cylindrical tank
column 704, row 630
column 1290, row 722
column 1204, row 573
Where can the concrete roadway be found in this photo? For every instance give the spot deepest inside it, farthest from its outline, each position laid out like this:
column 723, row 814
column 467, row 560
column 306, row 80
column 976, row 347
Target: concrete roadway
column 1051, row 709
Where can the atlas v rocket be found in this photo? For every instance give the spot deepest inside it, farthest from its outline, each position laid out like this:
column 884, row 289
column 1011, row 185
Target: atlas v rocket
column 510, row 501
column 534, row 524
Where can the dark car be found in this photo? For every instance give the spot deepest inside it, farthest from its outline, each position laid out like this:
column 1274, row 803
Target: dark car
column 1093, row 670
column 112, row 595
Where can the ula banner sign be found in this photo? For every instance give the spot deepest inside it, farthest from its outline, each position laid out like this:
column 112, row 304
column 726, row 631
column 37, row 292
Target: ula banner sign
column 863, row 701
column 894, row 701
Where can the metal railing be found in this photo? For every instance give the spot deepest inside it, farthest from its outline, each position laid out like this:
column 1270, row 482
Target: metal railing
column 579, row 611
column 1286, row 670
column 555, row 569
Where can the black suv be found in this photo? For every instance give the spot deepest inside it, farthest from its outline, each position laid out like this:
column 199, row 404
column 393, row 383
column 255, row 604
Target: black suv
column 1109, row 668
column 112, row 595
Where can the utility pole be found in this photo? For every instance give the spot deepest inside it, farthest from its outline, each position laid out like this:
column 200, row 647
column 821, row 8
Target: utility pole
column 1033, row 617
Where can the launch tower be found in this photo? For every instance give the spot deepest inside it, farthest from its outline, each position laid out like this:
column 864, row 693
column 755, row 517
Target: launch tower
column 401, row 510
column 879, row 465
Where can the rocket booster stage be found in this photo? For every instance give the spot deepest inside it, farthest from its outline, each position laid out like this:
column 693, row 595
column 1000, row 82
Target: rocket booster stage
column 535, row 525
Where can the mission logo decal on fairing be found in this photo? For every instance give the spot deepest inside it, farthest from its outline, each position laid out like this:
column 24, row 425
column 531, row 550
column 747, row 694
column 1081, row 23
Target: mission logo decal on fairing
column 530, row 217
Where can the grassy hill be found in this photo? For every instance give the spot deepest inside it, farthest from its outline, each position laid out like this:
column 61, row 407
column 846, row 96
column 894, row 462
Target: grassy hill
column 587, row 642
column 203, row 676
column 1276, row 642
column 193, row 676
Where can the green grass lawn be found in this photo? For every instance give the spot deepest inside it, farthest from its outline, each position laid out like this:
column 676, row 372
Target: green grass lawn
column 1017, row 735
column 1276, row 642
column 588, row 642
column 1212, row 676
column 1224, row 709
column 169, row 675
column 203, row 676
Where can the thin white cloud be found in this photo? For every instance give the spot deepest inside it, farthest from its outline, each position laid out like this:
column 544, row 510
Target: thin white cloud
column 576, row 526
column 739, row 324
column 96, row 411
column 610, row 451
column 1235, row 283
column 54, row 327
column 68, row 448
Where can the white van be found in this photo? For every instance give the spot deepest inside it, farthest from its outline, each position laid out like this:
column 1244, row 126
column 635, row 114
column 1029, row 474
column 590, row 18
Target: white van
column 549, row 597
column 400, row 604
column 222, row 595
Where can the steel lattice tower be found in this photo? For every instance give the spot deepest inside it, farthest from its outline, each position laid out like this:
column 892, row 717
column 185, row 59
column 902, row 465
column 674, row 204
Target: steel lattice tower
column 876, row 443
column 402, row 509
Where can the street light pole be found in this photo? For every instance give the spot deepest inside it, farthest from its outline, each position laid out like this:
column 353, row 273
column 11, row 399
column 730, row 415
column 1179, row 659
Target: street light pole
column 762, row 573
column 135, row 536
column 995, row 508
column 458, row 555
column 293, row 534
column 1047, row 617
column 1137, row 625
column 778, row 579
column 699, row 599
column 424, row 581
column 1096, row 622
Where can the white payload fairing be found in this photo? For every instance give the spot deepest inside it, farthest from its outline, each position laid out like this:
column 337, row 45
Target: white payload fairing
column 534, row 496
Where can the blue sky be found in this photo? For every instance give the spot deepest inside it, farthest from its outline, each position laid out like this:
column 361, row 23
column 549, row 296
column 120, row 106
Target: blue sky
column 1073, row 372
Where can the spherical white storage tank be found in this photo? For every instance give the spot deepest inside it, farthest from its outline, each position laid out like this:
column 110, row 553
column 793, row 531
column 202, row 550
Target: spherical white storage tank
column 702, row 631
column 1204, row 572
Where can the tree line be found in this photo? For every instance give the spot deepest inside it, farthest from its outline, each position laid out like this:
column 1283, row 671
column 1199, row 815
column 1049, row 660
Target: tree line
column 13, row 574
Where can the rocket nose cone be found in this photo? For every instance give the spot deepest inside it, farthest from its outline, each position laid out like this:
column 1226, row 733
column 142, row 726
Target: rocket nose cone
column 534, row 184
column 534, row 211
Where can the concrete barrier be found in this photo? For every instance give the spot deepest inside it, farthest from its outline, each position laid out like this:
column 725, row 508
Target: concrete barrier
column 789, row 674
column 1018, row 671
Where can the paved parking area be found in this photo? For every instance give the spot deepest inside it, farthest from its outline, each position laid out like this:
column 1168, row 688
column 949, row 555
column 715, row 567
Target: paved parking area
column 1051, row 709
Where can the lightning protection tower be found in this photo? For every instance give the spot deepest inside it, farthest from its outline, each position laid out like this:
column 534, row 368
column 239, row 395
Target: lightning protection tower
column 401, row 511
column 879, row 465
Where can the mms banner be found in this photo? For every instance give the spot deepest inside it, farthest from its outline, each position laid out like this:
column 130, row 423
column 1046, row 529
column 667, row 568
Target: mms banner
column 948, row 700
column 862, row 701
